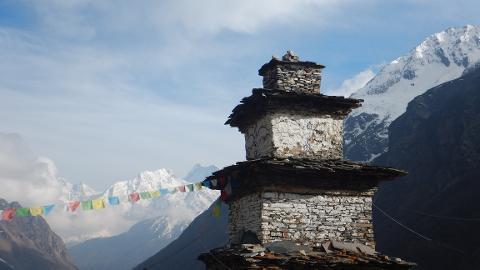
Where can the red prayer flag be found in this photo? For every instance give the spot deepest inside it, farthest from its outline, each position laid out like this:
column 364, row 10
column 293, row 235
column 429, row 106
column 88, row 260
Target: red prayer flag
column 8, row 213
column 134, row 197
column 182, row 188
column 72, row 206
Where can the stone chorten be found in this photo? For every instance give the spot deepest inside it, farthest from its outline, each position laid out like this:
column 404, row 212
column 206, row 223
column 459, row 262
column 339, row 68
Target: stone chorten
column 295, row 185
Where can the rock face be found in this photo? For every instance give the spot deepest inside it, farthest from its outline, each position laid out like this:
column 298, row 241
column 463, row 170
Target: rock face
column 204, row 233
column 437, row 140
column 442, row 57
column 28, row 243
column 306, row 219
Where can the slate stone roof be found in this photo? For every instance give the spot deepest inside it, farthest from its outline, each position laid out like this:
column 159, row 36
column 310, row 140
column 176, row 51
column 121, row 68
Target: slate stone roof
column 329, row 255
column 322, row 168
column 268, row 100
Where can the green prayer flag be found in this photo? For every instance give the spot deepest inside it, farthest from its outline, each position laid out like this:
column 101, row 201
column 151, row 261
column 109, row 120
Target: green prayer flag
column 22, row 212
column 190, row 187
column 217, row 208
column 145, row 195
column 87, row 205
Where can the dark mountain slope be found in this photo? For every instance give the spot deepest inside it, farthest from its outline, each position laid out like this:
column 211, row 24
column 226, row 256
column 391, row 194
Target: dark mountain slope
column 29, row 243
column 438, row 141
column 204, row 233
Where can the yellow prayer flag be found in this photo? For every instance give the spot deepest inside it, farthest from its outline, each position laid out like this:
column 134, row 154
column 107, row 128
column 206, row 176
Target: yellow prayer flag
column 155, row 193
column 36, row 211
column 98, row 203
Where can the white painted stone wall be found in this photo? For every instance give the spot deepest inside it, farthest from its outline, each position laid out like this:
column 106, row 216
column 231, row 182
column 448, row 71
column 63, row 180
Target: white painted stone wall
column 295, row 134
column 306, row 219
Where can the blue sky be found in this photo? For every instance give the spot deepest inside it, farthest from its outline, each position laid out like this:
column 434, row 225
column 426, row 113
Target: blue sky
column 107, row 89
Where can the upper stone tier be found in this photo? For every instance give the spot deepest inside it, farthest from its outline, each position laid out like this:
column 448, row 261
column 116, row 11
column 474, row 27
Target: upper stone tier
column 289, row 117
column 291, row 75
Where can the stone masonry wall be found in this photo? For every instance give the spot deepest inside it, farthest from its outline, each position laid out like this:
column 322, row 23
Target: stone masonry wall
column 293, row 78
column 244, row 215
column 295, row 134
column 312, row 219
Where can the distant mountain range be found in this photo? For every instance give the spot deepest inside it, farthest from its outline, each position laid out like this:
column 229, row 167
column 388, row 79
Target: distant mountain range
column 29, row 243
column 442, row 57
column 437, row 141
column 160, row 220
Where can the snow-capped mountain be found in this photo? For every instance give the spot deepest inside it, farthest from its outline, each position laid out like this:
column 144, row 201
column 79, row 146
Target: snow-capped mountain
column 199, row 172
column 442, row 57
column 158, row 221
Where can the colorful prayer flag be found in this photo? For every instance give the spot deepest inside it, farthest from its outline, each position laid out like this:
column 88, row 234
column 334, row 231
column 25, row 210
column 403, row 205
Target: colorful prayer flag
column 145, row 195
column 48, row 208
column 8, row 213
column 36, row 211
column 155, row 193
column 23, row 212
column 163, row 191
column 217, row 208
column 198, row 186
column 181, row 188
column 214, row 183
column 207, row 183
column 98, row 203
column 72, row 206
column 190, row 187
column 87, row 205
column 114, row 200
column 134, row 197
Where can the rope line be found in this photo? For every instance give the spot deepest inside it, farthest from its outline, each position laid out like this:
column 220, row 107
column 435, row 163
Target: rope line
column 440, row 244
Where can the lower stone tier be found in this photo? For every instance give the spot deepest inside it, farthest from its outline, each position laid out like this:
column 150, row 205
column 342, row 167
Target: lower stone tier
column 305, row 219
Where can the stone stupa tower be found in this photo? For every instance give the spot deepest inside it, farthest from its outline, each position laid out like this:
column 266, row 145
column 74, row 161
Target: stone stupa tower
column 295, row 195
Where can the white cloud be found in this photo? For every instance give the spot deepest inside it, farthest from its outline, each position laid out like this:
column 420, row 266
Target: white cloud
column 349, row 86
column 22, row 172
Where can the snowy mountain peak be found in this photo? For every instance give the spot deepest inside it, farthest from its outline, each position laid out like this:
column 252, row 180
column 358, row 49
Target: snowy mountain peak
column 199, row 172
column 441, row 57
column 147, row 180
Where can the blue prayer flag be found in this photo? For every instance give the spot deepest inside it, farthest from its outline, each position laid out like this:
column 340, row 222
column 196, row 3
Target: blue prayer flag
column 47, row 209
column 114, row 200
column 163, row 191
column 206, row 183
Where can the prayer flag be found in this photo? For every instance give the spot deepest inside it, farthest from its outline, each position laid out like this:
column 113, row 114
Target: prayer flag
column 36, row 211
column 72, row 206
column 8, row 213
column 114, row 200
column 163, row 191
column 98, row 203
column 181, row 188
column 48, row 208
column 226, row 192
column 155, row 193
column 207, row 183
column 214, row 183
column 217, row 208
column 87, row 205
column 134, row 197
column 23, row 212
column 190, row 187
column 145, row 195
column 198, row 186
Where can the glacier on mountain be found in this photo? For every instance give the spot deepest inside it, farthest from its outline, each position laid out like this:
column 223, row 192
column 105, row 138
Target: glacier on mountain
column 442, row 57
